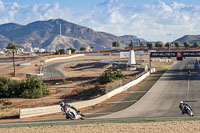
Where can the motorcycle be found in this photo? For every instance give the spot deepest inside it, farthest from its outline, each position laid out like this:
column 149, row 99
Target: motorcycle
column 72, row 113
column 188, row 110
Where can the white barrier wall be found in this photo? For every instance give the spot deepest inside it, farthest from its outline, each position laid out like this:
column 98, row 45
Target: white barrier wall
column 61, row 58
column 30, row 112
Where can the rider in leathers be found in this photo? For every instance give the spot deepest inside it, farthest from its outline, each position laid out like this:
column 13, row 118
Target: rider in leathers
column 67, row 106
column 182, row 107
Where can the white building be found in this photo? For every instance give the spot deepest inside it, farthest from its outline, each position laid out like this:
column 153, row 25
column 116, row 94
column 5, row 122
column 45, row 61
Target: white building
column 2, row 53
column 28, row 50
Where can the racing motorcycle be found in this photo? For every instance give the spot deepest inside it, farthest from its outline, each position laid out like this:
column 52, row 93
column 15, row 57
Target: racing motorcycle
column 72, row 113
column 186, row 109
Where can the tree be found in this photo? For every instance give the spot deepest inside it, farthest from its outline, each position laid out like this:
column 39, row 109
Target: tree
column 73, row 50
column 159, row 44
column 149, row 45
column 92, row 47
column 82, row 48
column 177, row 44
column 141, row 44
column 115, row 44
column 196, row 44
column 60, row 51
column 13, row 47
column 131, row 45
column 168, row 45
column 186, row 44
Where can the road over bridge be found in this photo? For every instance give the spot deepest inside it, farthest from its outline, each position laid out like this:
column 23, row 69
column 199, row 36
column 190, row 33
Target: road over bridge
column 162, row 100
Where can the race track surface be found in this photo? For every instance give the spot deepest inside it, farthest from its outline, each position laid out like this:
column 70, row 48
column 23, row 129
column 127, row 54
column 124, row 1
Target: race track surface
column 53, row 71
column 162, row 100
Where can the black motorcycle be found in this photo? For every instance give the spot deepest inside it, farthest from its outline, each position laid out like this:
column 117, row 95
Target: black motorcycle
column 186, row 109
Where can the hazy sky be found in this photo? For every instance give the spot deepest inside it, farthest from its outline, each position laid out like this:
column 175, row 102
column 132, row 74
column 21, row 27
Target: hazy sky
column 152, row 20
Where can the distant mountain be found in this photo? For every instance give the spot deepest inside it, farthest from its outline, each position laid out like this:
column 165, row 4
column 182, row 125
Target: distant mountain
column 45, row 34
column 191, row 38
column 3, row 41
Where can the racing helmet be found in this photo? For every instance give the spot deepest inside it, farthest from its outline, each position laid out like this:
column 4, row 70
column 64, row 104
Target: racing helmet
column 62, row 104
column 181, row 102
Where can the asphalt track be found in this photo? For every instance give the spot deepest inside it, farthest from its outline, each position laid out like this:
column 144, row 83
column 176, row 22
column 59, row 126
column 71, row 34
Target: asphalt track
column 162, row 100
column 53, row 71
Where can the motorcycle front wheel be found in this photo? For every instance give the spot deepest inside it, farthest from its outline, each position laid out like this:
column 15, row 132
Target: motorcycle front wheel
column 189, row 112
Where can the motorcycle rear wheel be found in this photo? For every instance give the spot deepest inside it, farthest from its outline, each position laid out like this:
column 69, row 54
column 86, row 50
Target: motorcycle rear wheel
column 71, row 116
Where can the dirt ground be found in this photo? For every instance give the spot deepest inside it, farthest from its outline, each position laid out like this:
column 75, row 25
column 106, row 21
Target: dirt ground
column 80, row 72
column 74, row 70
column 151, row 127
column 92, row 110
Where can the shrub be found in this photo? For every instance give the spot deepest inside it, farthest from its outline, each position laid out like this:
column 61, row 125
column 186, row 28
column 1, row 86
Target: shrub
column 6, row 87
column 7, row 103
column 64, row 81
column 118, row 75
column 110, row 75
column 29, row 88
column 32, row 88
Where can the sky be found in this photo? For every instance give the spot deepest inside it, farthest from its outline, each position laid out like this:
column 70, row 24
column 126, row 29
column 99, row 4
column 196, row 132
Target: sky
column 153, row 20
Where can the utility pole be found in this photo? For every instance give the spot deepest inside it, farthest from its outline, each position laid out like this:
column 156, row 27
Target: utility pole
column 169, row 34
column 40, row 75
column 41, row 85
column 189, row 75
column 60, row 29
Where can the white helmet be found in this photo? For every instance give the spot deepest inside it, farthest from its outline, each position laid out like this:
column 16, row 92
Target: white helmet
column 62, row 104
column 181, row 102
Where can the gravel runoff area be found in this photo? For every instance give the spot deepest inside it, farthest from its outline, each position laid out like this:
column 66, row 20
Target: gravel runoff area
column 150, row 127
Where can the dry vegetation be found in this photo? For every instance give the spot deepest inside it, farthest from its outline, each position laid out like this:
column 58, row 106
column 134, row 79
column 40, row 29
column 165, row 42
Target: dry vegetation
column 151, row 127
column 6, row 112
column 80, row 73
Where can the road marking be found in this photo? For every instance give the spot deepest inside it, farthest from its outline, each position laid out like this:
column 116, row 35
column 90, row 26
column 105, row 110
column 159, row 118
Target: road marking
column 98, row 113
column 135, row 92
column 122, row 101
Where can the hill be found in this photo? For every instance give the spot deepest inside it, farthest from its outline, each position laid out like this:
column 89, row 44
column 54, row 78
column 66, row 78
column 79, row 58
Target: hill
column 191, row 38
column 45, row 34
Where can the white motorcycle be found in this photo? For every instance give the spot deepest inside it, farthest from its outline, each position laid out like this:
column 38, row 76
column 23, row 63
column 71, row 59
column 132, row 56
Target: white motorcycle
column 186, row 109
column 72, row 113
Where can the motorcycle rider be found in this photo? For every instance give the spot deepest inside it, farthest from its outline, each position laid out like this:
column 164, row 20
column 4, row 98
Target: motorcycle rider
column 189, row 73
column 182, row 107
column 66, row 106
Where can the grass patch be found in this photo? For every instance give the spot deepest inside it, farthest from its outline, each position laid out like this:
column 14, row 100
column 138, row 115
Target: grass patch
column 164, row 67
column 129, row 120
